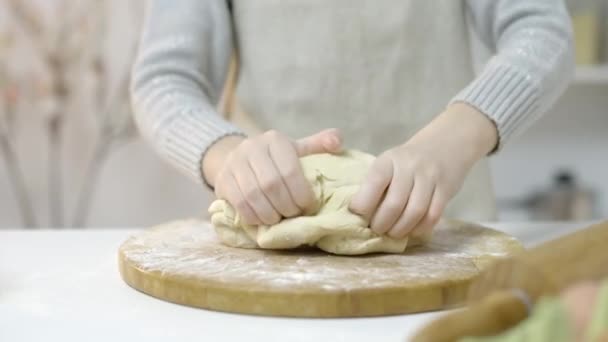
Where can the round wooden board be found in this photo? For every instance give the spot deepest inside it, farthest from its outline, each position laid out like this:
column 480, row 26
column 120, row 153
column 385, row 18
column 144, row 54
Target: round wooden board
column 183, row 262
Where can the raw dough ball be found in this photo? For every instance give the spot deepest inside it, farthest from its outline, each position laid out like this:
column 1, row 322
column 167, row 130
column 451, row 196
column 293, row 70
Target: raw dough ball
column 332, row 227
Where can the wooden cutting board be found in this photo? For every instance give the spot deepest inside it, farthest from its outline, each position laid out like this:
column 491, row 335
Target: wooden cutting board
column 183, row 262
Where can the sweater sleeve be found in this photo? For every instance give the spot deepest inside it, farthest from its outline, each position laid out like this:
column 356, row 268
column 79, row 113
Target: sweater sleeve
column 532, row 61
column 178, row 77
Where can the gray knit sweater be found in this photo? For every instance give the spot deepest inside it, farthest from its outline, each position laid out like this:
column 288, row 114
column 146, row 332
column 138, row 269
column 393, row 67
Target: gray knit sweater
column 186, row 47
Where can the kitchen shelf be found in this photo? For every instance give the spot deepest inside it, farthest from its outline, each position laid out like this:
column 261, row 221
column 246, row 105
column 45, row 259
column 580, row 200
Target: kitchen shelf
column 596, row 74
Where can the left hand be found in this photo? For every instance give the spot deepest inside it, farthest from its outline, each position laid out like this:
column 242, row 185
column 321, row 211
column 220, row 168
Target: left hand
column 409, row 186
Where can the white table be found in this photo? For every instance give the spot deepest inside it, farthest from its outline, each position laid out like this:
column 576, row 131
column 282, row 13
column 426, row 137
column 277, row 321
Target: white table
column 64, row 286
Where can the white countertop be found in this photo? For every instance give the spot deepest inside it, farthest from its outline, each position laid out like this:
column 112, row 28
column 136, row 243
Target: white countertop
column 64, row 285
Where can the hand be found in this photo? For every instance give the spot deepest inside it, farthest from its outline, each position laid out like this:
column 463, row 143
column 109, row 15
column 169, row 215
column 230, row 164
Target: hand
column 409, row 186
column 261, row 177
column 579, row 301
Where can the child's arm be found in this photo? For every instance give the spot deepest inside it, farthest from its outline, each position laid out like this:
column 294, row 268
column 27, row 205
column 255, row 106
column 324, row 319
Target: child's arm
column 410, row 185
column 178, row 78
column 532, row 62
column 177, row 82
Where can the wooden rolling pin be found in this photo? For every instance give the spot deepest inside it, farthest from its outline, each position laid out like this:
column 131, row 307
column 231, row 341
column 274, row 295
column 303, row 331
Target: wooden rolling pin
column 502, row 296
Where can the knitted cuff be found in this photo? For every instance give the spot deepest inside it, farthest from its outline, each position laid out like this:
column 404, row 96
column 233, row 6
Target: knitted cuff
column 188, row 140
column 505, row 95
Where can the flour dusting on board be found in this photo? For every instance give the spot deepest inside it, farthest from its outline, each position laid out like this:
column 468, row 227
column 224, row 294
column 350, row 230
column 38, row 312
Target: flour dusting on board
column 190, row 249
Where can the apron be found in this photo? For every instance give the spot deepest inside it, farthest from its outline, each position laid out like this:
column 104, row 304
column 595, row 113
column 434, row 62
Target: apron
column 377, row 70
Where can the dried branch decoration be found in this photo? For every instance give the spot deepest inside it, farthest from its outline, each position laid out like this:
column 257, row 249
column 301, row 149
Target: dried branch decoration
column 71, row 49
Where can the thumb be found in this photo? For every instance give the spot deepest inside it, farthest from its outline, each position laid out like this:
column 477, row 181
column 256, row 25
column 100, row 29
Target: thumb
column 326, row 141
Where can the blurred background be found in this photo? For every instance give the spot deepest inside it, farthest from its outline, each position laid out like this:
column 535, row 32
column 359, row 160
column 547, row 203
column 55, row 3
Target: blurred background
column 70, row 155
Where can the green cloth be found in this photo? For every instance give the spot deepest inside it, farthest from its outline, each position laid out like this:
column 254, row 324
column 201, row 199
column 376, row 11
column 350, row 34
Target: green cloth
column 549, row 322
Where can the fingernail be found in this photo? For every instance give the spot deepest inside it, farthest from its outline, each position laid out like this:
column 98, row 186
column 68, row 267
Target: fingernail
column 331, row 143
column 337, row 143
column 397, row 234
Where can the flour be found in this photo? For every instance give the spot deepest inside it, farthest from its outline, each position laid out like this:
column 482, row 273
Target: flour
column 190, row 249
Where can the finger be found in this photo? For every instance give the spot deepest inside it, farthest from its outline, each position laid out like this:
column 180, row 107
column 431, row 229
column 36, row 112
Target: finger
column 433, row 215
column 327, row 141
column 228, row 189
column 394, row 202
column 286, row 160
column 271, row 182
column 368, row 198
column 254, row 196
column 417, row 206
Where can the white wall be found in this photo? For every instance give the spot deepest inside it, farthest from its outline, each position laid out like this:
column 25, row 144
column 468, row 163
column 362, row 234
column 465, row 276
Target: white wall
column 573, row 135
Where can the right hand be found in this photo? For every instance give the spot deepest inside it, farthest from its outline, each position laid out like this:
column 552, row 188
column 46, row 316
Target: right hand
column 261, row 177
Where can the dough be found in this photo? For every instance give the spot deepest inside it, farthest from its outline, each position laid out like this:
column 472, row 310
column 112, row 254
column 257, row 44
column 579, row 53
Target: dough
column 332, row 227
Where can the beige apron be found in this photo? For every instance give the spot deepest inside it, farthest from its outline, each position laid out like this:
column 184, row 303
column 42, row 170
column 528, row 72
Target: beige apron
column 378, row 70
